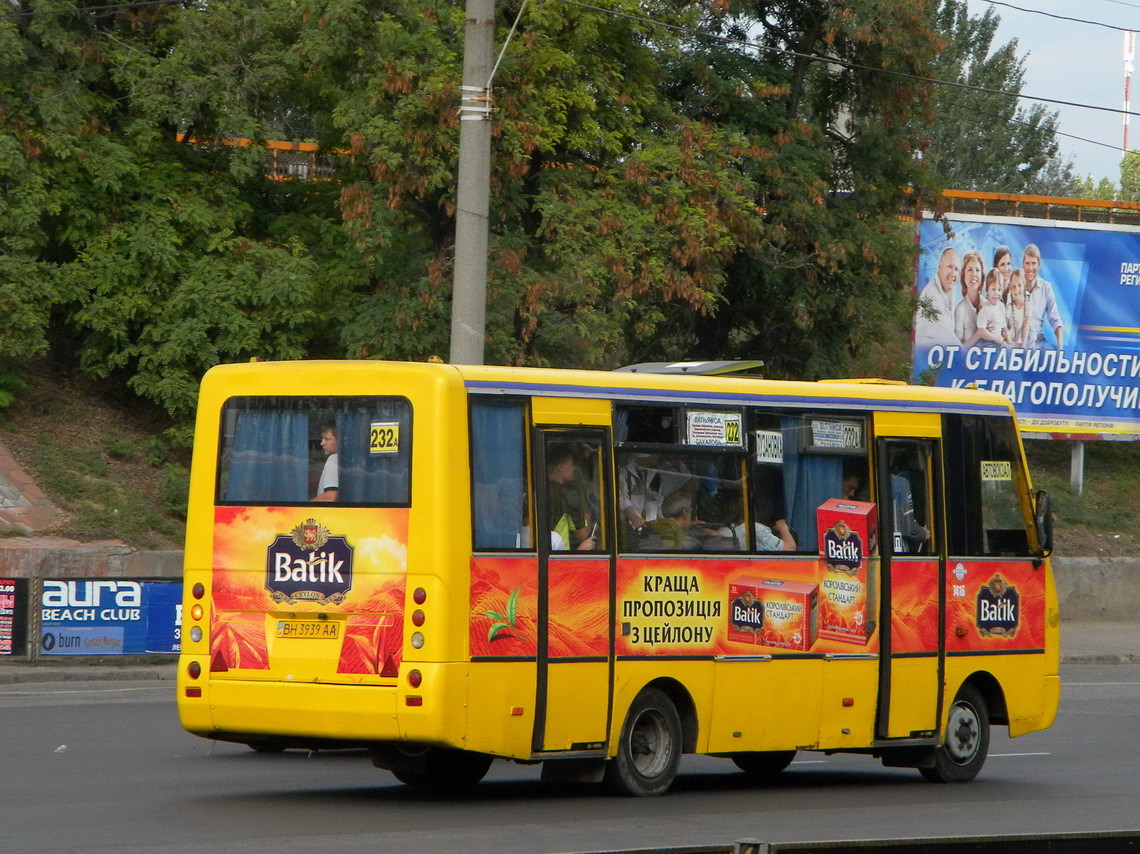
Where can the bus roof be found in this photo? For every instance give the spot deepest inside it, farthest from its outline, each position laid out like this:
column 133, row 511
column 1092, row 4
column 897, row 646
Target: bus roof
column 652, row 387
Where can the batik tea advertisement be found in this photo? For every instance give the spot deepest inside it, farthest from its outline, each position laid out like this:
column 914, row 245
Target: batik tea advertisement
column 848, row 588
column 287, row 576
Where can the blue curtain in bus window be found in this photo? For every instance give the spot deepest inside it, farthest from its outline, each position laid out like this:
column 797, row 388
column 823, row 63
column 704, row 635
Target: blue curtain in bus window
column 270, row 457
column 621, row 424
column 809, row 480
column 373, row 475
column 498, row 449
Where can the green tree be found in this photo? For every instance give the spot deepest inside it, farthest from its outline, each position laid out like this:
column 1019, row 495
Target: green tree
column 1087, row 188
column 985, row 140
column 826, row 290
column 657, row 191
column 1130, row 177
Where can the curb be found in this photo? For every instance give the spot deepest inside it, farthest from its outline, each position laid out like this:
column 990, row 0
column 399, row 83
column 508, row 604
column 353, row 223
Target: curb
column 1102, row 658
column 32, row 673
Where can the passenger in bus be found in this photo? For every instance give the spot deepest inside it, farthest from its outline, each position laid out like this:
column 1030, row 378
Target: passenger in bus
column 639, row 498
column 777, row 538
column 855, row 481
column 568, row 504
column 911, row 537
column 328, row 489
column 674, row 530
column 672, row 476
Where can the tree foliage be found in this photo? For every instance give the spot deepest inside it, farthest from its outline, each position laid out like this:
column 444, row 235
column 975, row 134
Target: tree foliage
column 669, row 180
column 988, row 140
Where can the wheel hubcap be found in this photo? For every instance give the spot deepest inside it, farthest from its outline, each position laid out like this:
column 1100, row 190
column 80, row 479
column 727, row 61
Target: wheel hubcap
column 650, row 744
column 963, row 735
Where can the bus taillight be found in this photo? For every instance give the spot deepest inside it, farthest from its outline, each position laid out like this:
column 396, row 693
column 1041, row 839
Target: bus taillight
column 415, row 678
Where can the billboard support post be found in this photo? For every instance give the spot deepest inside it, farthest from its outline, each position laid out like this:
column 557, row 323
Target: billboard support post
column 1077, row 468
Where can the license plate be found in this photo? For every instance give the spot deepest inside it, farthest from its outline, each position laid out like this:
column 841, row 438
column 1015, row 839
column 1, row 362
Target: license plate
column 308, row 629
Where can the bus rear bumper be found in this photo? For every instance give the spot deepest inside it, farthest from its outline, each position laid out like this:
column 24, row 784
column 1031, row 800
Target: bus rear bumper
column 290, row 712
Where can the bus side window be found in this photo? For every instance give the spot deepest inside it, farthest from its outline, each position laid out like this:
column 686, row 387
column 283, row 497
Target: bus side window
column 771, row 530
column 498, row 475
column 908, row 503
column 988, row 508
column 574, row 507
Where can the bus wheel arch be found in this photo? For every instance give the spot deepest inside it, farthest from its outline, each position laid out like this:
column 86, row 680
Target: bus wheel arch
column 649, row 746
column 988, row 686
column 686, row 710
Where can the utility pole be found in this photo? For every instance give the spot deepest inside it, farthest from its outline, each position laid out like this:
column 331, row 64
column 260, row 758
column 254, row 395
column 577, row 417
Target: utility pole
column 469, row 289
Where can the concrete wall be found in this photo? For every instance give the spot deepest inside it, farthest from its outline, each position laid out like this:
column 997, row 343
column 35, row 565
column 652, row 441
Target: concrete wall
column 51, row 557
column 1098, row 588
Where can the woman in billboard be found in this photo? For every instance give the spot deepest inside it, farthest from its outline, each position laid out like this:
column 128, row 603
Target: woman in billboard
column 966, row 312
column 1003, row 263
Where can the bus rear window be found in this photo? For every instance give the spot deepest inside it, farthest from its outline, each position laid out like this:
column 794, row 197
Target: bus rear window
column 296, row 450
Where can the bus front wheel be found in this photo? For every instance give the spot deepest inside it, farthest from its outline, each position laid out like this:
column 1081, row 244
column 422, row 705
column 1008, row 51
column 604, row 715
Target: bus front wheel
column 649, row 750
column 961, row 755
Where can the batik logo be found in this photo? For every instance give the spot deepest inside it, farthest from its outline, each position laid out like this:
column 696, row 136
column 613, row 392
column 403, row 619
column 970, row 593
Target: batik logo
column 998, row 609
column 309, row 565
column 843, row 548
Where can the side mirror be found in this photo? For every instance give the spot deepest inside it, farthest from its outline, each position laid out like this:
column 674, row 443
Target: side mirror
column 1043, row 520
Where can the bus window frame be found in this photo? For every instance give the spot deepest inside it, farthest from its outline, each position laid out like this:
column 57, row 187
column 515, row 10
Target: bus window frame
column 314, row 400
column 529, row 516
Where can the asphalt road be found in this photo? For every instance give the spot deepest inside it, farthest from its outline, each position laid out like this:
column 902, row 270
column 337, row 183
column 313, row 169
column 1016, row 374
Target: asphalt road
column 101, row 767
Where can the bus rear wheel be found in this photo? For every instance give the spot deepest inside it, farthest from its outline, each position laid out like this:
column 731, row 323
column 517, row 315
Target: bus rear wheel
column 442, row 769
column 961, row 755
column 764, row 766
column 266, row 746
column 649, row 749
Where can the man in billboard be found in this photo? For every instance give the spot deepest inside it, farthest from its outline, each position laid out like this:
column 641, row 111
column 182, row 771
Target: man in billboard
column 1042, row 304
column 939, row 293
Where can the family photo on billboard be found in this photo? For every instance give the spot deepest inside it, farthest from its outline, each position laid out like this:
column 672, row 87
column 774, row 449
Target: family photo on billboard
column 1046, row 313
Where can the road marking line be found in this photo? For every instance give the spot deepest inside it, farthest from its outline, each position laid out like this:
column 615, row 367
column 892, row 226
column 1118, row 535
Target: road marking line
column 1015, row 755
column 88, row 693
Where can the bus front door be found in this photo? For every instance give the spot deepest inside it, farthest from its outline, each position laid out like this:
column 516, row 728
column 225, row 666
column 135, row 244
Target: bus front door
column 575, row 623
column 912, row 647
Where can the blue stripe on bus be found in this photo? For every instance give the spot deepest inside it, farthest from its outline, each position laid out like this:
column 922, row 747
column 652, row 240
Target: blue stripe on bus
column 561, row 390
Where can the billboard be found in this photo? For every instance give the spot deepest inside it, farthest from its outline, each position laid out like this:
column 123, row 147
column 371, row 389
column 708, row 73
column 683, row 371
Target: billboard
column 110, row 617
column 1045, row 312
column 13, row 615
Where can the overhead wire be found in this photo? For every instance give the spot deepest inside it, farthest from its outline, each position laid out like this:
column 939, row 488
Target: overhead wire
column 1060, row 17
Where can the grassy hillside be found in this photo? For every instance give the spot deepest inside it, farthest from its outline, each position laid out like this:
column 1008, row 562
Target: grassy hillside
column 106, row 465
column 1102, row 521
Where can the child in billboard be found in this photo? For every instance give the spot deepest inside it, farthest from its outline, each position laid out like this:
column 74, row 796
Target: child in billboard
column 991, row 316
column 1016, row 316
